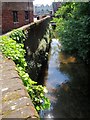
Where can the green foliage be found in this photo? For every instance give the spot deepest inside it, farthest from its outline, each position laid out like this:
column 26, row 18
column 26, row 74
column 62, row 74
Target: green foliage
column 18, row 35
column 73, row 28
column 35, row 91
column 38, row 97
column 11, row 49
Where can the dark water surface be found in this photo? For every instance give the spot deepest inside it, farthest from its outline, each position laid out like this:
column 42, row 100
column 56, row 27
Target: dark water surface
column 67, row 84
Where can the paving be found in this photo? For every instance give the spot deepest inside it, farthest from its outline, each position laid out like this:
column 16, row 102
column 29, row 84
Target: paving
column 14, row 99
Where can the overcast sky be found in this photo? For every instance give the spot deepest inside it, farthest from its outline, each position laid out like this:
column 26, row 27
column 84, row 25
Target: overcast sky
column 43, row 2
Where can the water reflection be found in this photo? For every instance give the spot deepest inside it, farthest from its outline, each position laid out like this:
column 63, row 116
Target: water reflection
column 67, row 83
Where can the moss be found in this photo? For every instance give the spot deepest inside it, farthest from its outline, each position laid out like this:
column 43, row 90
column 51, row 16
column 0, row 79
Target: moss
column 10, row 96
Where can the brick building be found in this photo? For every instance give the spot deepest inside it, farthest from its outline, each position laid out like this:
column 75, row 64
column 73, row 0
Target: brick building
column 56, row 5
column 16, row 14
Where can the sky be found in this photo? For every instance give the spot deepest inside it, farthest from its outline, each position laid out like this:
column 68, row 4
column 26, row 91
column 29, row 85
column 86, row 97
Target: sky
column 43, row 2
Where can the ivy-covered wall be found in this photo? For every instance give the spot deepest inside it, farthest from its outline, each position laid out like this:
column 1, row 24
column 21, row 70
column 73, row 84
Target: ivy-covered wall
column 37, row 45
column 18, row 46
column 35, row 33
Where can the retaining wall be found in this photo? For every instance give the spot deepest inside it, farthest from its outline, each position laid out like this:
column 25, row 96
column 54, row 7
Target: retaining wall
column 16, row 102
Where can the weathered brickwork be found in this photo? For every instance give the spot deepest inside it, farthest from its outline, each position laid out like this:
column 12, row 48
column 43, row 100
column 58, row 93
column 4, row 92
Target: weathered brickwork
column 7, row 14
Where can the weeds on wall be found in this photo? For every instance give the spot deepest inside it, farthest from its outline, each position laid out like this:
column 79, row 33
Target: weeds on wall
column 14, row 49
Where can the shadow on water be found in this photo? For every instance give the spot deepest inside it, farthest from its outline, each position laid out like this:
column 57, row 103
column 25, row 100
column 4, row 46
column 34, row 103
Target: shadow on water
column 67, row 82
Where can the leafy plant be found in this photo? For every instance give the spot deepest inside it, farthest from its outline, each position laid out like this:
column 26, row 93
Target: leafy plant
column 18, row 35
column 11, row 49
column 35, row 91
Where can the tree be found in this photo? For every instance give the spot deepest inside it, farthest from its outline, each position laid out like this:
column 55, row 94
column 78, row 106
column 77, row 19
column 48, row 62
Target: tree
column 72, row 27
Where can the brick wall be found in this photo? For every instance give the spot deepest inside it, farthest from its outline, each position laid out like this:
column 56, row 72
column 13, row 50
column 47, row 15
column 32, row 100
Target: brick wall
column 56, row 5
column 7, row 14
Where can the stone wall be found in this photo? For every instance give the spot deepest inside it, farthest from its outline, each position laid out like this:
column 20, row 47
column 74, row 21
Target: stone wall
column 37, row 45
column 16, row 102
column 35, row 34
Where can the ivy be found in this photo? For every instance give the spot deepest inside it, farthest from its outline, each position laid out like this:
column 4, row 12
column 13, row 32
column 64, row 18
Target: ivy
column 18, row 35
column 15, row 51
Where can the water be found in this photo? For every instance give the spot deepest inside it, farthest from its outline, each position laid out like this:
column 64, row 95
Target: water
column 67, row 84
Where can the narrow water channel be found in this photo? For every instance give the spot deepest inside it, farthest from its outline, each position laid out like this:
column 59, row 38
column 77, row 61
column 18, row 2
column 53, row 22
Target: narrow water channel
column 67, row 84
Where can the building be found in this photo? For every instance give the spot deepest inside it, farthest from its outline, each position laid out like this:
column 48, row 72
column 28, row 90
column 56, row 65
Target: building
column 16, row 14
column 41, row 10
column 56, row 5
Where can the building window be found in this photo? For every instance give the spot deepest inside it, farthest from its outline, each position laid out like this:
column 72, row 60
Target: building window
column 26, row 15
column 15, row 16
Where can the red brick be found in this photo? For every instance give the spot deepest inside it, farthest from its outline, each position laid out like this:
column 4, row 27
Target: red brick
column 7, row 15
